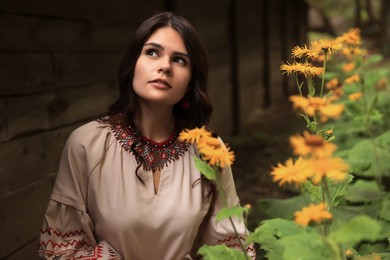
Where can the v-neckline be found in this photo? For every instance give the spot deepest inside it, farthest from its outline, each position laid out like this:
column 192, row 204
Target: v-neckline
column 156, row 181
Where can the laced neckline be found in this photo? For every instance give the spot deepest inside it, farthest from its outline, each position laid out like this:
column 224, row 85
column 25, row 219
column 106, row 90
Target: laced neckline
column 150, row 154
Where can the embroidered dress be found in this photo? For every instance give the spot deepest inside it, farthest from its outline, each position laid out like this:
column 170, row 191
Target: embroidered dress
column 99, row 209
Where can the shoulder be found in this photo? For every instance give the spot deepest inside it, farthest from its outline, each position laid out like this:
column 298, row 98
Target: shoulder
column 89, row 139
column 87, row 133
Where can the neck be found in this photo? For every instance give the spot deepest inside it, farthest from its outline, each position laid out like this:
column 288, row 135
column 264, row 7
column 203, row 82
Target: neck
column 156, row 123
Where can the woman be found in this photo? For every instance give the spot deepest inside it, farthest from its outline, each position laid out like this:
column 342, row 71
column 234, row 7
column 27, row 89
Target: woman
column 127, row 188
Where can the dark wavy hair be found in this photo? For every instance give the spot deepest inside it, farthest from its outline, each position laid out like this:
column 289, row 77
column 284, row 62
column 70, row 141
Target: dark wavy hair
column 199, row 110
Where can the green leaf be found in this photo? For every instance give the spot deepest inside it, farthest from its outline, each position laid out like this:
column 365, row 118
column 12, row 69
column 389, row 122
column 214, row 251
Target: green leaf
column 336, row 189
column 274, row 228
column 384, row 212
column 357, row 229
column 205, row 169
column 230, row 212
column 363, row 191
column 373, row 59
column 308, row 246
column 314, row 191
column 358, row 166
column 268, row 235
column 220, row 252
column 378, row 155
column 282, row 208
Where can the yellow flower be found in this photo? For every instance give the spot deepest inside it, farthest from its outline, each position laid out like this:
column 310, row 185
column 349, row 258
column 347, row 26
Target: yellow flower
column 327, row 46
column 310, row 70
column 332, row 84
column 352, row 37
column 221, row 157
column 290, row 172
column 355, row 96
column 331, row 111
column 312, row 213
column 381, row 84
column 332, row 168
column 351, row 52
column 353, row 79
column 315, row 103
column 299, row 102
column 298, row 52
column 209, row 141
column 336, row 94
column 348, row 67
column 305, row 69
column 194, row 135
column 314, row 145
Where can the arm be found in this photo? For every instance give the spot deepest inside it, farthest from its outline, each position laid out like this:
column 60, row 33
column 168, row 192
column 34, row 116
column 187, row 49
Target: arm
column 222, row 232
column 67, row 230
column 67, row 233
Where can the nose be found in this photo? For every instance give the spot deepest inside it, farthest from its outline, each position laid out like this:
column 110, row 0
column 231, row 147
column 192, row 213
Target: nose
column 165, row 67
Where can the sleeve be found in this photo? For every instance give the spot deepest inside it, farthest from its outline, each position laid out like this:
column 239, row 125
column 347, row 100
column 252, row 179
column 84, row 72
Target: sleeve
column 222, row 232
column 67, row 230
column 67, row 233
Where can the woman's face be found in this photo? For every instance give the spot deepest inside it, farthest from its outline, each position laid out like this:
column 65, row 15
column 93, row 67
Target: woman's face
column 163, row 70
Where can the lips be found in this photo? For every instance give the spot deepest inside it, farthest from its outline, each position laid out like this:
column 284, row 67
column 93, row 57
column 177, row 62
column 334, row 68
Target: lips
column 160, row 83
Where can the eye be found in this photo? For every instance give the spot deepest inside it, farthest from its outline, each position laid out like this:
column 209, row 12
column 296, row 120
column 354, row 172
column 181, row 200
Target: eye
column 152, row 52
column 180, row 60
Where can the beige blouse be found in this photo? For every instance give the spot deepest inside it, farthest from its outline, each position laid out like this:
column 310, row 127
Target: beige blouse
column 99, row 209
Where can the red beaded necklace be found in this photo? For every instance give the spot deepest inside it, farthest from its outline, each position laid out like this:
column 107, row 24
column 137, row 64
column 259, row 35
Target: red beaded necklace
column 152, row 155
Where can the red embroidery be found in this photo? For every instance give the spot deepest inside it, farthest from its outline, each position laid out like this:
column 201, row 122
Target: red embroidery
column 52, row 231
column 233, row 243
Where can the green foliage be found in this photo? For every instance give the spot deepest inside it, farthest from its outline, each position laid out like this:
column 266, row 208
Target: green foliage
column 234, row 211
column 315, row 247
column 282, row 208
column 363, row 191
column 336, row 191
column 269, row 233
column 359, row 205
column 385, row 210
column 357, row 229
column 376, row 153
column 220, row 252
column 205, row 169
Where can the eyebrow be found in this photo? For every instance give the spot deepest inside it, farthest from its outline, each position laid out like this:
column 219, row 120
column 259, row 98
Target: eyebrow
column 159, row 46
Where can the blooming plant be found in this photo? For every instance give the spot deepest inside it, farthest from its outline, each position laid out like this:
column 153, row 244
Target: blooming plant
column 214, row 156
column 341, row 160
column 340, row 167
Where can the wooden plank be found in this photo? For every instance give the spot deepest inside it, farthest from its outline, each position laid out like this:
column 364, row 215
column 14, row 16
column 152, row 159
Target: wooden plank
column 22, row 74
column 28, row 251
column 26, row 34
column 22, row 115
column 21, row 215
column 219, row 83
column 100, row 11
column 27, row 159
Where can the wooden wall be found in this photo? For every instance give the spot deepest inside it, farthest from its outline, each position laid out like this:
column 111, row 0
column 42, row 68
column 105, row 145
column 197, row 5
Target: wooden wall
column 58, row 63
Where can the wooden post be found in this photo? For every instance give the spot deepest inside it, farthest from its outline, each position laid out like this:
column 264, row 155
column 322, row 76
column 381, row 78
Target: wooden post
column 385, row 27
column 233, row 49
column 266, row 57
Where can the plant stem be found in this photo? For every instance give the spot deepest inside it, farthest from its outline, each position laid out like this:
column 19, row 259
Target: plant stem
column 368, row 127
column 326, row 193
column 223, row 198
column 299, row 86
column 323, row 75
